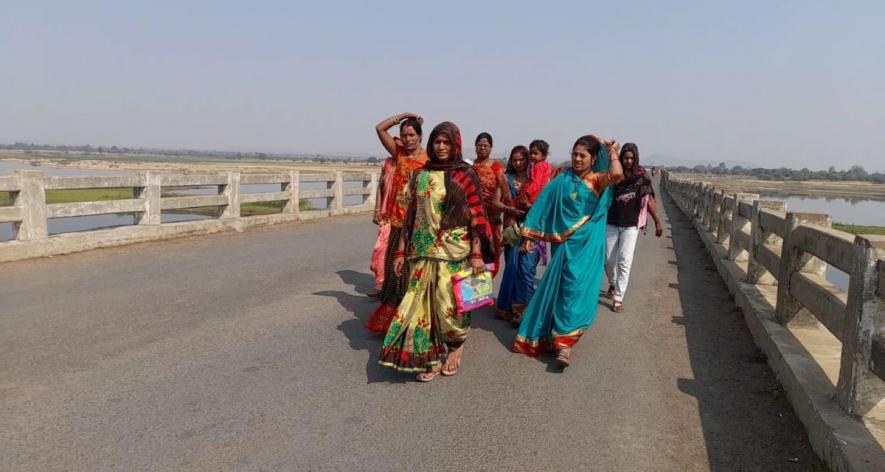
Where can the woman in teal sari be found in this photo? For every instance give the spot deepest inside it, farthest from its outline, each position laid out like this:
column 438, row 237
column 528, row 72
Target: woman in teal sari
column 571, row 214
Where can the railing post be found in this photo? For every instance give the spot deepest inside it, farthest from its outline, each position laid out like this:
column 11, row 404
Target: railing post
column 705, row 208
column 232, row 193
column 793, row 260
column 336, row 203
column 369, row 199
column 859, row 389
column 32, row 201
column 738, row 224
column 150, row 193
column 756, row 273
column 723, row 232
column 293, row 204
column 715, row 211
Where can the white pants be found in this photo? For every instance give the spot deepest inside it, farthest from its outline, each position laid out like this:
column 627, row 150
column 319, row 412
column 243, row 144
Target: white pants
column 619, row 245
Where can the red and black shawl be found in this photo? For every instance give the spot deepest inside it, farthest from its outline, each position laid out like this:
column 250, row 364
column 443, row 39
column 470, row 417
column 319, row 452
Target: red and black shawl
column 463, row 193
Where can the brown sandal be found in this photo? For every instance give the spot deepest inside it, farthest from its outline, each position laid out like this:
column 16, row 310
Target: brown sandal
column 503, row 314
column 563, row 358
column 518, row 310
column 617, row 307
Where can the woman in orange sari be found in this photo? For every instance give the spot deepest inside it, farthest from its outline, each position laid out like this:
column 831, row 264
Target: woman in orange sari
column 494, row 183
column 408, row 155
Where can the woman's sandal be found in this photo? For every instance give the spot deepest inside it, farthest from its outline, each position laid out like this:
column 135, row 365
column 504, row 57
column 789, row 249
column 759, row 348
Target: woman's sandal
column 617, row 306
column 518, row 310
column 503, row 314
column 431, row 374
column 446, row 371
column 563, row 358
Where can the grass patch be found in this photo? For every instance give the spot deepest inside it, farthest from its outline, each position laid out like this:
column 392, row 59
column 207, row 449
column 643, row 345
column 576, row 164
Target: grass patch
column 859, row 229
column 78, row 195
column 88, row 195
column 269, row 208
column 101, row 194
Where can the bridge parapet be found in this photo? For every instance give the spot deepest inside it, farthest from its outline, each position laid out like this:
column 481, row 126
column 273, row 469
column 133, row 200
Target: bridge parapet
column 792, row 250
column 775, row 261
column 30, row 213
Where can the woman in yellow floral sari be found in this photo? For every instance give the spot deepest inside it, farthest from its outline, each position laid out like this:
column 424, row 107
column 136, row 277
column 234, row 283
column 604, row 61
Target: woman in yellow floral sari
column 446, row 231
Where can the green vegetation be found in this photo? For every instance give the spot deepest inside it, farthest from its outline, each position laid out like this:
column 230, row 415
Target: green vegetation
column 267, row 208
column 859, row 229
column 100, row 194
column 855, row 173
column 88, row 195
column 78, row 195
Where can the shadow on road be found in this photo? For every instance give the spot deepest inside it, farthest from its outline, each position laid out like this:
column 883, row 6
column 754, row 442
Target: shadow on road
column 361, row 340
column 747, row 421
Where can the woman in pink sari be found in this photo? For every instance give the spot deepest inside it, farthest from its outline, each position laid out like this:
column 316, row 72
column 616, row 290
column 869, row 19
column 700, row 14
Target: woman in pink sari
column 380, row 218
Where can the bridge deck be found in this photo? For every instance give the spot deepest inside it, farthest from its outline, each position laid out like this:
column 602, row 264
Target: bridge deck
column 246, row 352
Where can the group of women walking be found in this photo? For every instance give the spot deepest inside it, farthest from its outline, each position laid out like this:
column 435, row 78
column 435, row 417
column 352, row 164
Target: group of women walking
column 439, row 215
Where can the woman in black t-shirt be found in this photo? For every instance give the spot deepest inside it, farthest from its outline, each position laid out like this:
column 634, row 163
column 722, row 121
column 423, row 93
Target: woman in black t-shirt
column 633, row 199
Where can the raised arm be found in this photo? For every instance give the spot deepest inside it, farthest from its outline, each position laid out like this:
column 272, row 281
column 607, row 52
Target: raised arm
column 383, row 129
column 617, row 171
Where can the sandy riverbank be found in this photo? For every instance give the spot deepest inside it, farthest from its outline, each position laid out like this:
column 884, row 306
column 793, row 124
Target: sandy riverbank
column 122, row 162
column 810, row 188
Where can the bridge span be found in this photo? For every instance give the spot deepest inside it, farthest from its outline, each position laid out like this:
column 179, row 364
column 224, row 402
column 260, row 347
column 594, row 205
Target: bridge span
column 245, row 351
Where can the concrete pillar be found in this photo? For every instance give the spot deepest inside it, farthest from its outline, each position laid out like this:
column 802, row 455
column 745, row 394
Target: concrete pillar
column 374, row 183
column 793, row 260
column 723, row 231
column 292, row 205
column 231, row 191
column 860, row 390
column 705, row 207
column 738, row 223
column 150, row 193
column 32, row 200
column 336, row 203
column 756, row 274
column 715, row 211
column 697, row 201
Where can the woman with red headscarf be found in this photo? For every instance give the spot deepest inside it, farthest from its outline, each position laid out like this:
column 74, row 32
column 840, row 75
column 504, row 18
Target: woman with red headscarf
column 446, row 231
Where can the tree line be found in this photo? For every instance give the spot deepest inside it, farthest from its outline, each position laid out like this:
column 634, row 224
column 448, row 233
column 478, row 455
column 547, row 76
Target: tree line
column 854, row 173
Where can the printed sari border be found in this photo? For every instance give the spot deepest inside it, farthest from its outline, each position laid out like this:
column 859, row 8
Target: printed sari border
column 555, row 237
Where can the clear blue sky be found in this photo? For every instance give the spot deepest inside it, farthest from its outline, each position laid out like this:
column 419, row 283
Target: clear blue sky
column 795, row 83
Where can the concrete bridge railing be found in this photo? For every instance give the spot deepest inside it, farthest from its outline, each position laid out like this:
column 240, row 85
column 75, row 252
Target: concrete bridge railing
column 30, row 213
column 770, row 256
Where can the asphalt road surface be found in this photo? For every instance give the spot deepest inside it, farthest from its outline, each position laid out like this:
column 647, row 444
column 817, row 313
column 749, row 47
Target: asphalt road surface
column 246, row 352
